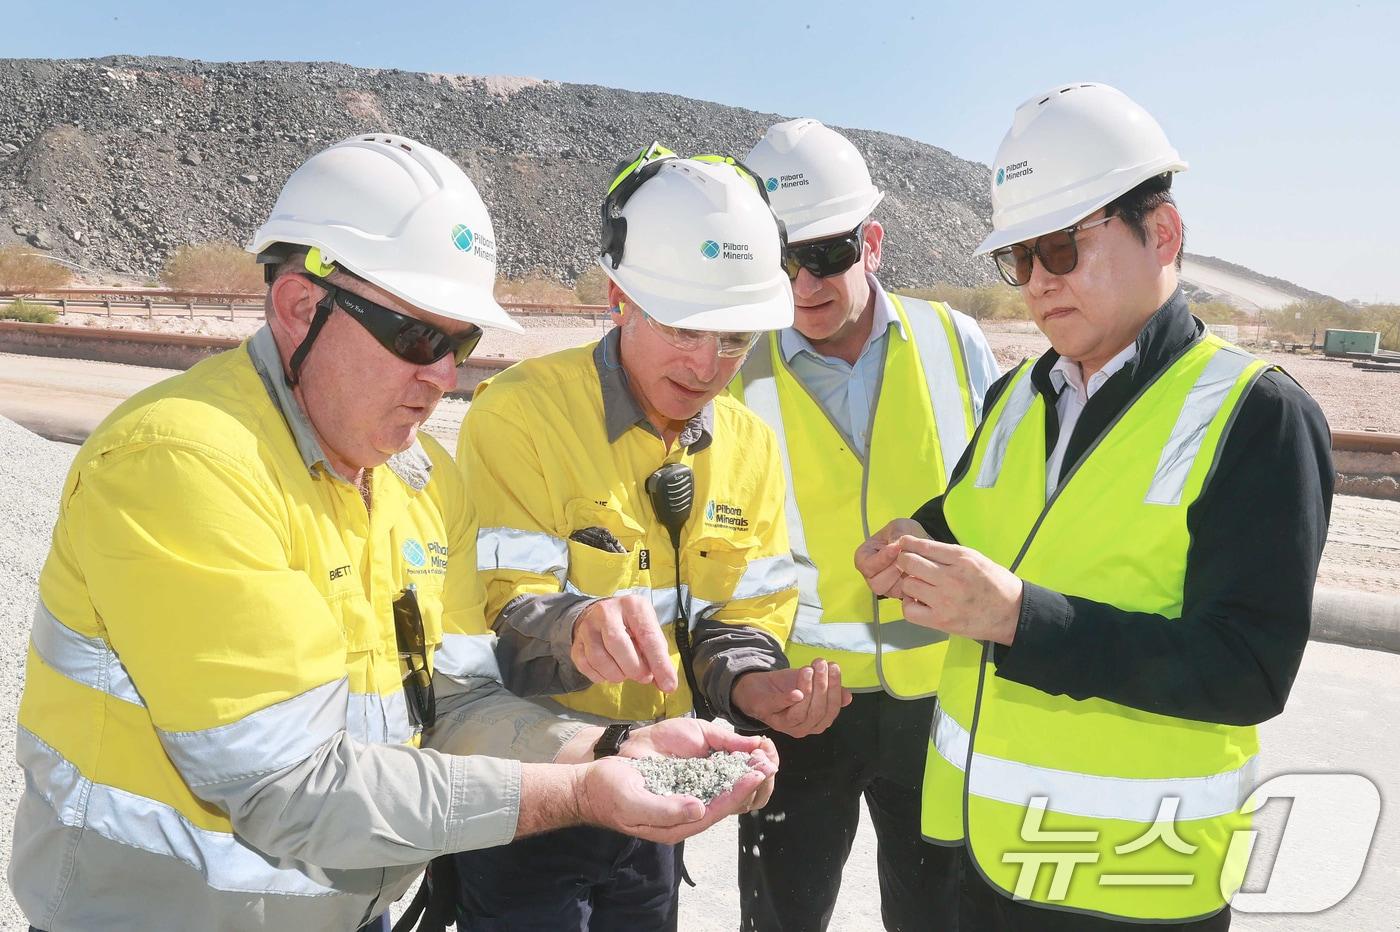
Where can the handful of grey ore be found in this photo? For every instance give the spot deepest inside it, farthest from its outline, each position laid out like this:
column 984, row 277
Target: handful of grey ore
column 701, row 777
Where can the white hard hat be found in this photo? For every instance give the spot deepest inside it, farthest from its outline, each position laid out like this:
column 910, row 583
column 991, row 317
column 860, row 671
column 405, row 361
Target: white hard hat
column 818, row 183
column 697, row 246
column 1069, row 152
column 396, row 213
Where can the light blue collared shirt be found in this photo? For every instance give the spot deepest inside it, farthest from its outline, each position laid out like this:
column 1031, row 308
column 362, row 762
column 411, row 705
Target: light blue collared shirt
column 847, row 392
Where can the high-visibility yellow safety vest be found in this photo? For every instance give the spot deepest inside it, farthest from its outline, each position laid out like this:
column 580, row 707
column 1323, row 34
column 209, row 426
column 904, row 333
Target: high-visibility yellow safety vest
column 535, row 452
column 1139, row 808
column 836, row 498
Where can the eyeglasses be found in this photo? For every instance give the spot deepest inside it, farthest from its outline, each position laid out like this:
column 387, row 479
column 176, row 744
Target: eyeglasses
column 729, row 344
column 413, row 650
column 825, row 257
column 1058, row 253
column 631, row 175
column 410, row 339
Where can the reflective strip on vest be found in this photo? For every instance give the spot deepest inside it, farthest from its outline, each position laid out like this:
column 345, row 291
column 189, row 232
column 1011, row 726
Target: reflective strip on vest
column 1018, row 404
column 952, row 421
column 858, row 637
column 507, row 548
column 1202, row 404
column 225, row 861
column 761, row 397
column 261, row 742
column 90, row 662
column 463, row 655
column 951, row 414
column 1088, row 795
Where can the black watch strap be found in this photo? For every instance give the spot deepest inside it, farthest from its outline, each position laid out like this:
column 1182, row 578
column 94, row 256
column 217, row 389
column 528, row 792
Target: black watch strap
column 611, row 741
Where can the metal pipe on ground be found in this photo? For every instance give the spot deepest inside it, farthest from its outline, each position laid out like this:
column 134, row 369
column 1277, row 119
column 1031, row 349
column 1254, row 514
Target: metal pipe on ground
column 1357, row 619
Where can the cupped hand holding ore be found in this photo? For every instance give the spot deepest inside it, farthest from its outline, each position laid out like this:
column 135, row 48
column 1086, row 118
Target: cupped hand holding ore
column 612, row 792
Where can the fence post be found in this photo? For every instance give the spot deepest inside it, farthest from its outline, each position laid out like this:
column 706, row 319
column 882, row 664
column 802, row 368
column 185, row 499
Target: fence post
column 230, row 312
column 62, row 305
column 150, row 311
column 107, row 303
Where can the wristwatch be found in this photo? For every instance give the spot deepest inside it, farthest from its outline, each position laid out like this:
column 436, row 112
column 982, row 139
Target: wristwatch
column 611, row 741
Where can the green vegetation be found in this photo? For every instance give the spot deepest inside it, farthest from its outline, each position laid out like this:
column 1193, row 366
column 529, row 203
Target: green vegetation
column 1219, row 312
column 988, row 302
column 213, row 268
column 28, row 312
column 22, row 270
column 534, row 289
column 1299, row 321
column 592, row 286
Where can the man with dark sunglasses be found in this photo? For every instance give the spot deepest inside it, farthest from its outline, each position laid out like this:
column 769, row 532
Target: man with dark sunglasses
column 256, row 696
column 1124, row 559
column 869, row 393
column 632, row 547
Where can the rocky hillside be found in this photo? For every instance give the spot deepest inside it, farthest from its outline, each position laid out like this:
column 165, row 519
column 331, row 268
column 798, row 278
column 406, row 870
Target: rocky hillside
column 113, row 163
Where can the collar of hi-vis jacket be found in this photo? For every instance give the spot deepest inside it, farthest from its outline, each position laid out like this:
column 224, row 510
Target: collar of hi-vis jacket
column 622, row 411
column 413, row 465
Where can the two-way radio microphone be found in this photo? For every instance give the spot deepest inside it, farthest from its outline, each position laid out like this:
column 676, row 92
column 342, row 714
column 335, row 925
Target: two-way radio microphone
column 672, row 491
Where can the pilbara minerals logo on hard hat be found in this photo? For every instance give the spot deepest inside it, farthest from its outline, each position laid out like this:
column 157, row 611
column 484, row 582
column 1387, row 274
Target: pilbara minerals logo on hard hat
column 709, row 249
column 1012, row 172
column 478, row 244
column 413, row 553
column 771, row 184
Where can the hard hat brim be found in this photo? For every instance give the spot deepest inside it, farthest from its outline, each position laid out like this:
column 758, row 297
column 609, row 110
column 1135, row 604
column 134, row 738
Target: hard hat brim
column 768, row 306
column 1067, row 216
column 834, row 224
column 444, row 296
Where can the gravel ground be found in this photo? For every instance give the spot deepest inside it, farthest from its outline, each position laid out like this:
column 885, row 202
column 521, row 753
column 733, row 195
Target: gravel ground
column 31, row 477
column 1362, row 552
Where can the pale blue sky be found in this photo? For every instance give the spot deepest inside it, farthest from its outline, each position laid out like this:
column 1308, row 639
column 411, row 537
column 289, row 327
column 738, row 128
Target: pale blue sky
column 1287, row 111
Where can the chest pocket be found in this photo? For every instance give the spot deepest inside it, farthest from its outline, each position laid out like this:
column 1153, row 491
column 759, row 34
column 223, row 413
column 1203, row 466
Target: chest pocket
column 715, row 567
column 594, row 568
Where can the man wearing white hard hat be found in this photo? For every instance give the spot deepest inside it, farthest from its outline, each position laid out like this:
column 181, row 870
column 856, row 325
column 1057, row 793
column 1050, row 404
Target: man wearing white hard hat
column 1124, row 559
column 259, row 609
column 632, row 546
column 873, row 397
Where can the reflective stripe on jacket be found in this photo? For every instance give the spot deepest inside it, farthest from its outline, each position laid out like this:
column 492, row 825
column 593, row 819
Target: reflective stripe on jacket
column 213, row 727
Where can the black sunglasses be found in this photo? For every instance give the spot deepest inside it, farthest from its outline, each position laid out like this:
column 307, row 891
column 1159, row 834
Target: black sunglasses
column 1058, row 253
column 412, row 340
column 413, row 650
column 825, row 257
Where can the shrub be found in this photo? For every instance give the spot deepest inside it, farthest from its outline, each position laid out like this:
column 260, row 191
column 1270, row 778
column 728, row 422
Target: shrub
column 212, row 268
column 986, row 302
column 28, row 312
column 534, row 289
column 592, row 286
column 1219, row 312
column 22, row 270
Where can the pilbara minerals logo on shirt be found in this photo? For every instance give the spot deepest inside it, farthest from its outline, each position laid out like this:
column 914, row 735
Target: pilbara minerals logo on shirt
column 420, row 559
column 725, row 516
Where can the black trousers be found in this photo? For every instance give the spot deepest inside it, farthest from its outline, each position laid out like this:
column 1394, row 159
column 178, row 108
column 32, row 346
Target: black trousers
column 570, row 880
column 986, row 909
column 791, row 852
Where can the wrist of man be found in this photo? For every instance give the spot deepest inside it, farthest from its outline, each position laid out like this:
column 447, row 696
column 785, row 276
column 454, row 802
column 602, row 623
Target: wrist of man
column 579, row 748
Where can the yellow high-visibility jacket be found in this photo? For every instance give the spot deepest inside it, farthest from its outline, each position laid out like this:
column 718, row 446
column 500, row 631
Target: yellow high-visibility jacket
column 213, row 729
column 540, row 465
